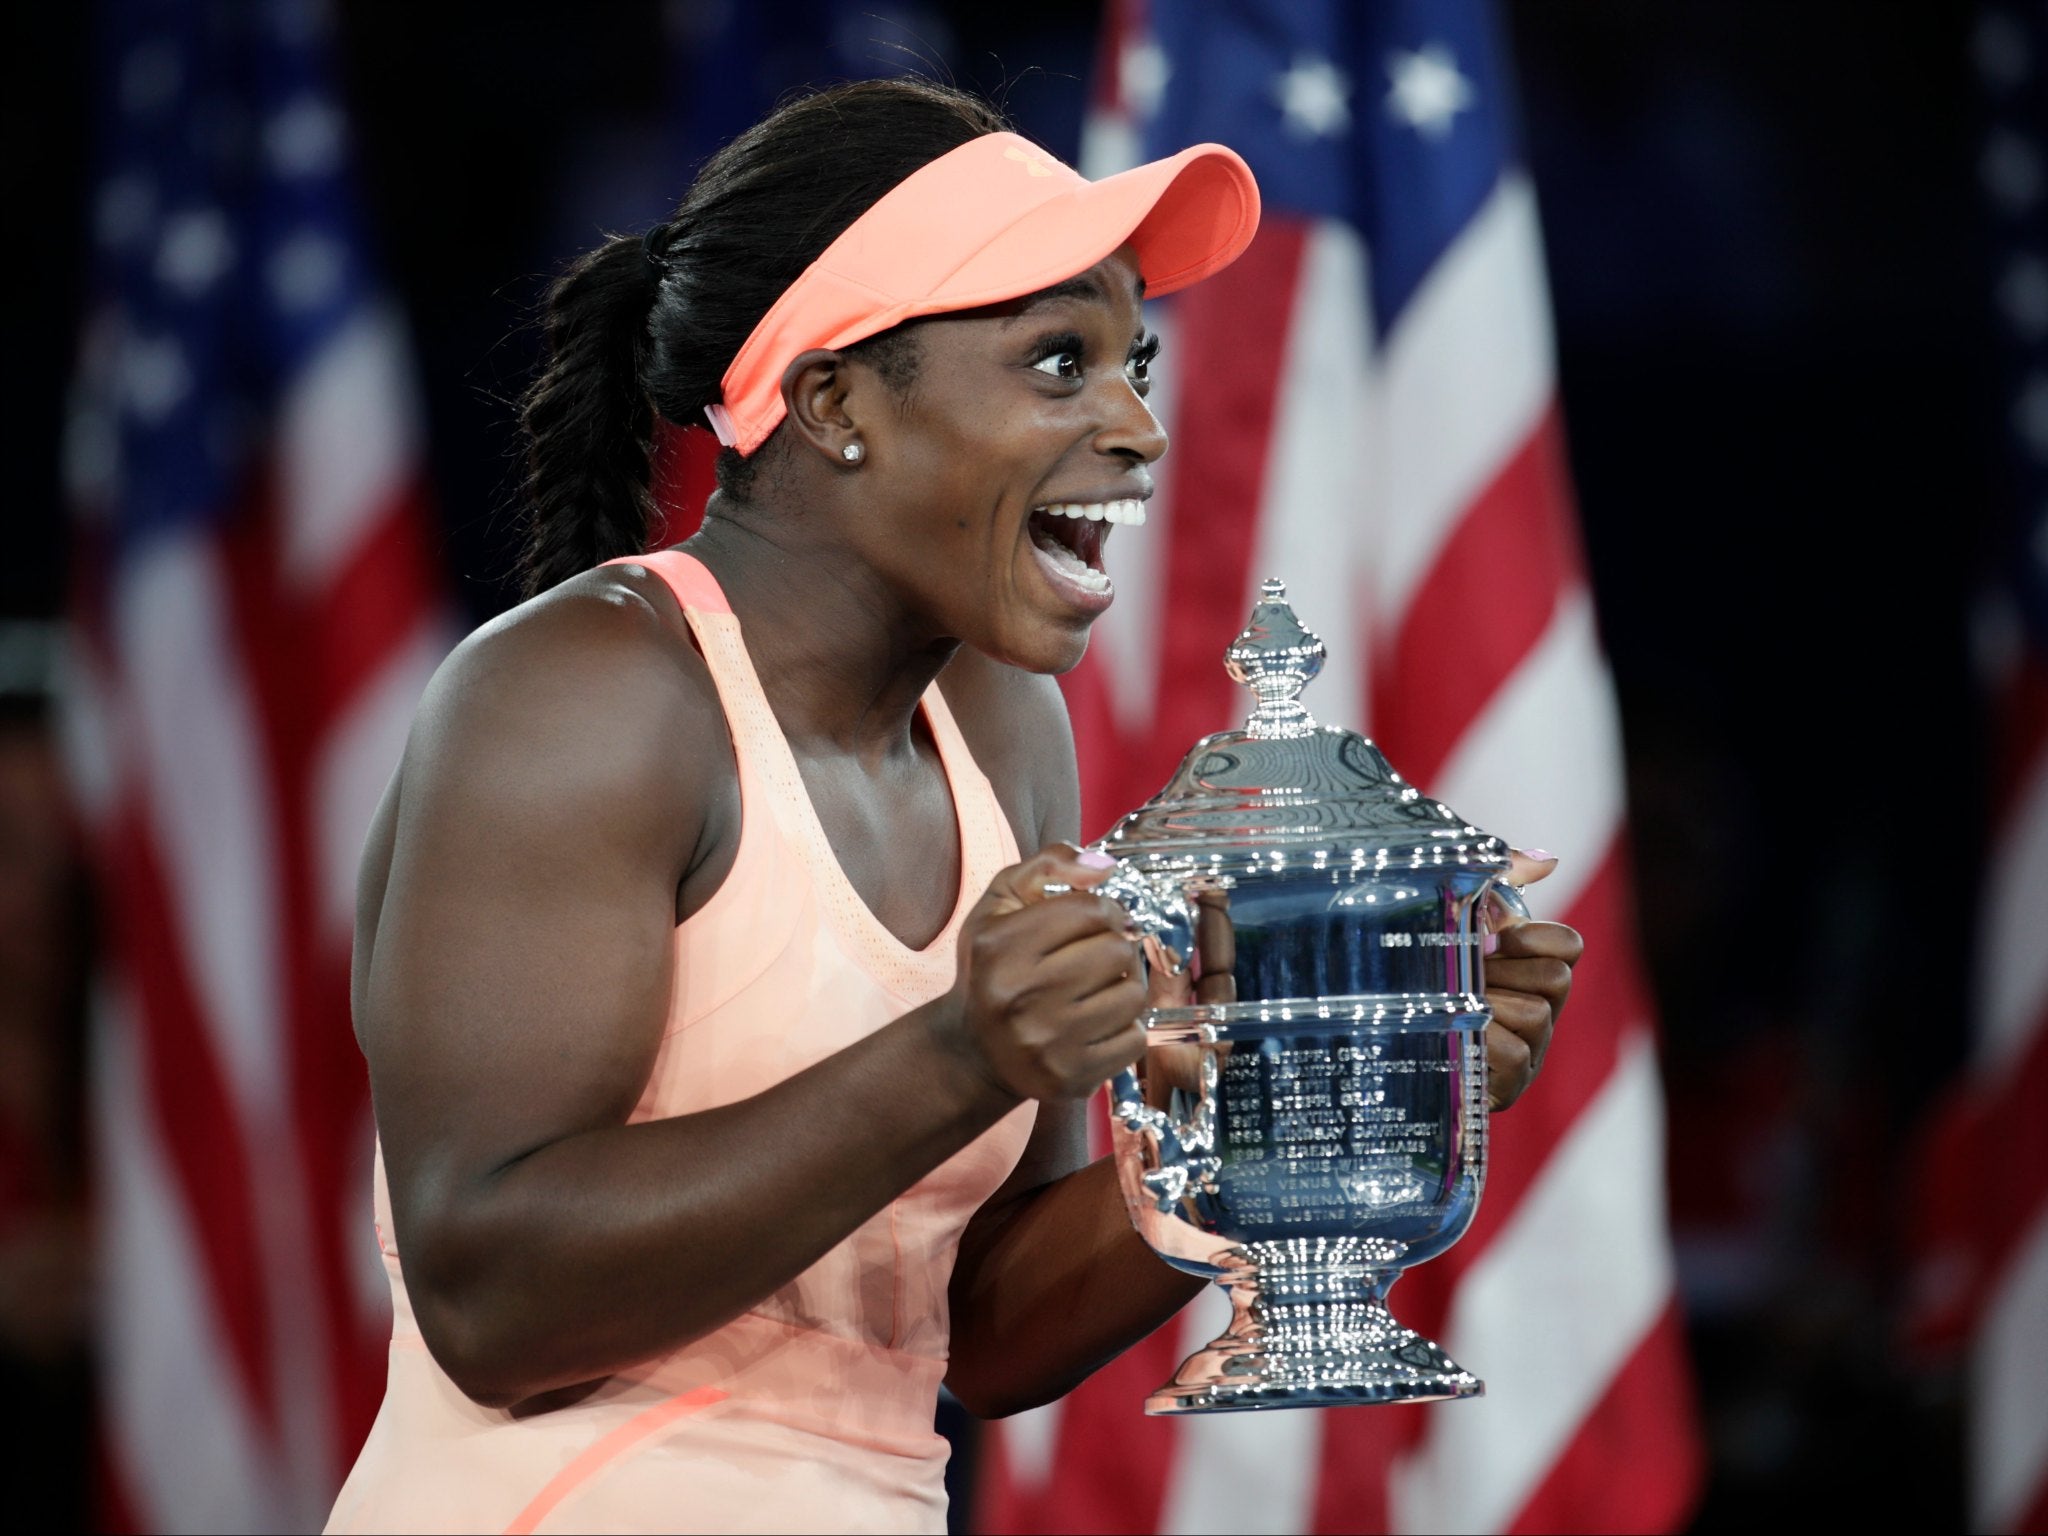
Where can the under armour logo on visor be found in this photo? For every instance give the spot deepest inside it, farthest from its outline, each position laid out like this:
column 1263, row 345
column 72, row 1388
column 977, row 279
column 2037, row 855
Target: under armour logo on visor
column 1039, row 164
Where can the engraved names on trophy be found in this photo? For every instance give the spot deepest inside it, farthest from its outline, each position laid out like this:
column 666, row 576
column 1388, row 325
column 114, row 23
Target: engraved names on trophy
column 1336, row 1128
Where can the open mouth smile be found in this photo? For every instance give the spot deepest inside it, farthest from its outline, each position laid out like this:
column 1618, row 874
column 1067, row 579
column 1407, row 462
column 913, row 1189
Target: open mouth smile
column 1069, row 537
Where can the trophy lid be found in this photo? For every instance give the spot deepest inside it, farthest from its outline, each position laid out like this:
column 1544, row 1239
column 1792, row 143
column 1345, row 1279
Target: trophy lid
column 1284, row 782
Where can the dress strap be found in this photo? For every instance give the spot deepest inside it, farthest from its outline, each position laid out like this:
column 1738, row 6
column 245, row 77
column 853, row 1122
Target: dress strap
column 711, row 620
column 696, row 589
column 982, row 829
column 756, row 734
column 987, row 843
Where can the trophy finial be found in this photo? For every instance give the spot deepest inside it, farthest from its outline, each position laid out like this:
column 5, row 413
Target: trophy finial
column 1275, row 658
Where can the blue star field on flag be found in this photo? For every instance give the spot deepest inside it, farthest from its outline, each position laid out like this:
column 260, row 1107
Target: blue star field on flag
column 227, row 250
column 1393, row 117
column 2011, row 48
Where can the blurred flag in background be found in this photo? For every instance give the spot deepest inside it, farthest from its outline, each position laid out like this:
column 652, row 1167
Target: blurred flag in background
column 256, row 611
column 1981, row 1251
column 2009, row 1354
column 2008, row 1436
column 1365, row 406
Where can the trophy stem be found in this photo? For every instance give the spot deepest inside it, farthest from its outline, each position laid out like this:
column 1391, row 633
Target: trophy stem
column 1320, row 1339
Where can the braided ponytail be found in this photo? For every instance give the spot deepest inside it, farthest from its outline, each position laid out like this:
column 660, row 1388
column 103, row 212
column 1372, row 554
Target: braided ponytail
column 589, row 425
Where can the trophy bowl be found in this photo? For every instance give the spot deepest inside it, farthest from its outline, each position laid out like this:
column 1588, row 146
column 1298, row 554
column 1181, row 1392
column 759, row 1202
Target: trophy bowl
column 1310, row 1115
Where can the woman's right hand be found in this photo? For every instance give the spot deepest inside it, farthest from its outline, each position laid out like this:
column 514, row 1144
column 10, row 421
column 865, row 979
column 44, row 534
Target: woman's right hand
column 1050, row 987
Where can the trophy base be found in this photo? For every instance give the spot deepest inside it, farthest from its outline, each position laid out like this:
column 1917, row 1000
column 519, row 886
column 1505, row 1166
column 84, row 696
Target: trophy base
column 1312, row 1355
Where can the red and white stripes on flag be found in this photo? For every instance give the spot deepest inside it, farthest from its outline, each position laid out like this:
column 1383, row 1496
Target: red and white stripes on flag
column 1411, row 489
column 2004, row 1173
column 1982, row 1286
column 238, row 700
column 1980, row 1248
column 256, row 612
column 1980, row 1291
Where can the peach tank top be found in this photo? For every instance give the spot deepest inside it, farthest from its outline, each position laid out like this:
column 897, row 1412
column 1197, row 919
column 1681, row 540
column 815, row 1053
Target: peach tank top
column 812, row 1411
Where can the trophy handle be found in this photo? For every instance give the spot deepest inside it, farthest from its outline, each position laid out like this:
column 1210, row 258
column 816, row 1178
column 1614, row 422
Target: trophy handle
column 1508, row 894
column 1184, row 1146
column 1164, row 916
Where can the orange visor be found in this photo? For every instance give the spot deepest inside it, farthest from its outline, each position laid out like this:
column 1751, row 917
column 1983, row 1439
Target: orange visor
column 998, row 218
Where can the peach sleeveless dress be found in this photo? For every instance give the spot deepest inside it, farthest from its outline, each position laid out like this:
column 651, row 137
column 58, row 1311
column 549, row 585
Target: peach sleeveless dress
column 813, row 1410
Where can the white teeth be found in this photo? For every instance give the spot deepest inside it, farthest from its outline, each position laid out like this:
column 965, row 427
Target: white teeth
column 1129, row 511
column 1073, row 567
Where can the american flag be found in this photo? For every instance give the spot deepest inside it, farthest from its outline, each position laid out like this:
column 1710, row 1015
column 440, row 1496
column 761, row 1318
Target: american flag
column 256, row 611
column 1365, row 405
column 1986, row 1275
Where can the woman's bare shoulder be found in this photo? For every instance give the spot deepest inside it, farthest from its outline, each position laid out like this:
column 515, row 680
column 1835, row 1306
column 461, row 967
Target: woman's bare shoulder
column 581, row 727
column 585, row 705
column 598, row 671
column 1016, row 724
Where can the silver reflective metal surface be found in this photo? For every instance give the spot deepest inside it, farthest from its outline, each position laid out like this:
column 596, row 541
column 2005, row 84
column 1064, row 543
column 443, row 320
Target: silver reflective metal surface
column 1310, row 1117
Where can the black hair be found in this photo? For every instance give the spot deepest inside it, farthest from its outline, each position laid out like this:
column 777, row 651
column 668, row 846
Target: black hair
column 650, row 324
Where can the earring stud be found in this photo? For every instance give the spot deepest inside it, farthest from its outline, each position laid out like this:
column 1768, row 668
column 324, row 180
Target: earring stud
column 853, row 453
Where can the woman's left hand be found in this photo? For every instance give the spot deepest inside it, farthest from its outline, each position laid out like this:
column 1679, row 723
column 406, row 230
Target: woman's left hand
column 1528, row 977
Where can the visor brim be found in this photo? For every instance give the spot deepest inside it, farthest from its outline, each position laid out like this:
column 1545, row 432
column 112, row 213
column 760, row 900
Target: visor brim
column 1185, row 217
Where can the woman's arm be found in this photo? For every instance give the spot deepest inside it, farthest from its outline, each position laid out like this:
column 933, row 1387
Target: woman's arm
column 551, row 801
column 1052, row 1280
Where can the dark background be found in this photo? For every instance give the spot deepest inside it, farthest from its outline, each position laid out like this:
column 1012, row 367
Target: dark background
column 1764, row 235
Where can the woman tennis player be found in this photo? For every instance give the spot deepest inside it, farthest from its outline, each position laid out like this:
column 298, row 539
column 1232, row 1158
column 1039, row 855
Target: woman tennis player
column 729, row 1061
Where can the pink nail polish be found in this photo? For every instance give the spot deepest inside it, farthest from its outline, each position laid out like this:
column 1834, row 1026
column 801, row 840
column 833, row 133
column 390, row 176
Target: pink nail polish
column 1489, row 944
column 1538, row 854
column 1094, row 858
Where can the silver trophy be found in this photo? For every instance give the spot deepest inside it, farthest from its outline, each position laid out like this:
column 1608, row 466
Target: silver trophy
column 1310, row 1115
